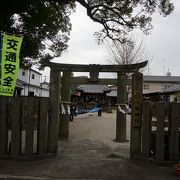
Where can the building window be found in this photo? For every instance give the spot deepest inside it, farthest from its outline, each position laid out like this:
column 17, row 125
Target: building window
column 165, row 86
column 23, row 73
column 33, row 76
column 146, row 86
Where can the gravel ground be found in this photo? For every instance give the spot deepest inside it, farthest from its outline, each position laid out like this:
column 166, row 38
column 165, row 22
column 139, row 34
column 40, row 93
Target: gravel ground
column 95, row 134
column 98, row 128
column 89, row 154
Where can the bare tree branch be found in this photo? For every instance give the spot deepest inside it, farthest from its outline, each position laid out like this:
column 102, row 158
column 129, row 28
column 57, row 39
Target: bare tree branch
column 115, row 15
column 129, row 52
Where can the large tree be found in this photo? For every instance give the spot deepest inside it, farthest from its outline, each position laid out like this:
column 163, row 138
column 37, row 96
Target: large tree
column 116, row 15
column 46, row 23
column 45, row 26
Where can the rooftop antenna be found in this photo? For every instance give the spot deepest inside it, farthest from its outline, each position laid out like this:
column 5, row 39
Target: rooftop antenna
column 168, row 73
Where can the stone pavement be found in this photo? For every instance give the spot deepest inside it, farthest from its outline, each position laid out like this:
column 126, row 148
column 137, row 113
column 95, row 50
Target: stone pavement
column 89, row 154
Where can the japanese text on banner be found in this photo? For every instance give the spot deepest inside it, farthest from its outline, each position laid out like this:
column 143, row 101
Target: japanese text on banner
column 10, row 63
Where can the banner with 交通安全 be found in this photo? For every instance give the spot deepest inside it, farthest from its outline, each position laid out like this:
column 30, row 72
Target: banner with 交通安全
column 9, row 55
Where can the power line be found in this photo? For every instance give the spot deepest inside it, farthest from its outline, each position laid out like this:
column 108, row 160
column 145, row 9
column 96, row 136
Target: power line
column 160, row 38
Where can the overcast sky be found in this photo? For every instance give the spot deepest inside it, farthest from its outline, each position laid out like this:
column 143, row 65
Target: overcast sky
column 163, row 44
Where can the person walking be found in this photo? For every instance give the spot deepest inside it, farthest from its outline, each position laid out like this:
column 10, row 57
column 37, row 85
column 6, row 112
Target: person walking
column 99, row 106
column 72, row 112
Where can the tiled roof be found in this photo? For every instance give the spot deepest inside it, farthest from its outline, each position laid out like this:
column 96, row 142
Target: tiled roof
column 112, row 94
column 161, row 78
column 91, row 88
column 174, row 88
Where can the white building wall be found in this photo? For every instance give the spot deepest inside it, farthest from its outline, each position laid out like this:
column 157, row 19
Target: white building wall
column 36, row 90
column 175, row 97
column 23, row 77
column 45, row 89
column 37, row 78
column 151, row 87
column 45, row 93
column 32, row 81
column 30, row 76
column 155, row 86
column 172, row 97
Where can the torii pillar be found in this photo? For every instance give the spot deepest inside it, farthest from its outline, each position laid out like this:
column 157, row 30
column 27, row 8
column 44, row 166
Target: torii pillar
column 65, row 105
column 54, row 98
column 121, row 108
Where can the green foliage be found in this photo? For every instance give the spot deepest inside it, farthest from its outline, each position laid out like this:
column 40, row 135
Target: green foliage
column 46, row 26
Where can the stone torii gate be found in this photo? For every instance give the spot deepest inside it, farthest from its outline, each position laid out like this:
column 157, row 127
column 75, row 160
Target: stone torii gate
column 60, row 98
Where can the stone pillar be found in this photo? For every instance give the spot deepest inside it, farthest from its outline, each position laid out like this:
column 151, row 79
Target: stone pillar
column 54, row 98
column 121, row 108
column 136, row 114
column 146, row 129
column 65, row 106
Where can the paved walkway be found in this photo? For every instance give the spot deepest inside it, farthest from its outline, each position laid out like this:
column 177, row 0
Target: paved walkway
column 89, row 154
